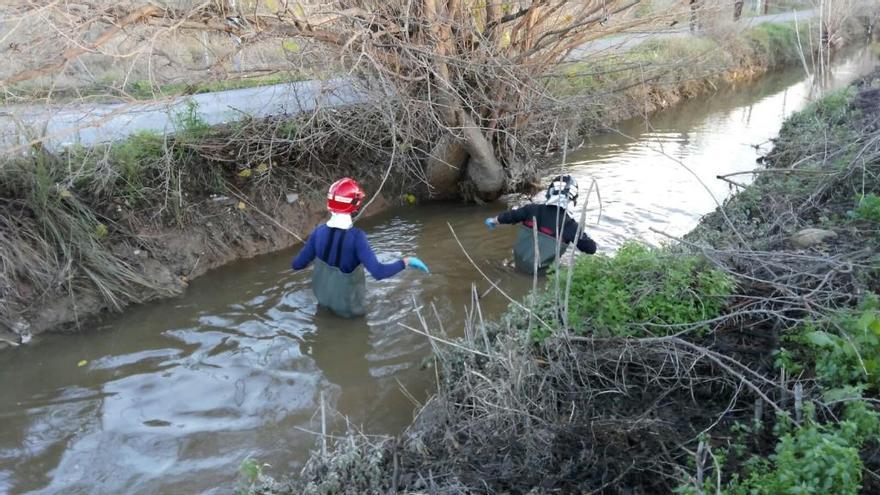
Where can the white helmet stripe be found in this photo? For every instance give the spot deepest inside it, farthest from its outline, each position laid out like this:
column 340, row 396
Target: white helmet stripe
column 340, row 199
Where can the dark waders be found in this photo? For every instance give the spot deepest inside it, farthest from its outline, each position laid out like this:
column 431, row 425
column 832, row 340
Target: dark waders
column 524, row 251
column 343, row 293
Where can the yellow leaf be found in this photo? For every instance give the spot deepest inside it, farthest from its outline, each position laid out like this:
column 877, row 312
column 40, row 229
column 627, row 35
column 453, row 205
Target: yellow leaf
column 245, row 173
column 101, row 230
column 241, row 205
column 262, row 168
column 568, row 18
column 410, row 199
column 64, row 193
column 82, row 363
column 290, row 46
column 505, row 39
column 299, row 11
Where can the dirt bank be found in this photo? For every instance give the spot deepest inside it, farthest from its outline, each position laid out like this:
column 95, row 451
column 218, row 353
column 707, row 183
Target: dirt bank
column 741, row 359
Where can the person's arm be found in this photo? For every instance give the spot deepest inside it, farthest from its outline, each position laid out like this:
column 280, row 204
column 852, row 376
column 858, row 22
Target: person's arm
column 516, row 215
column 368, row 258
column 306, row 254
column 584, row 243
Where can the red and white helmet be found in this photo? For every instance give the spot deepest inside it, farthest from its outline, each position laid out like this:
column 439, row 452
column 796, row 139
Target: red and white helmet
column 345, row 196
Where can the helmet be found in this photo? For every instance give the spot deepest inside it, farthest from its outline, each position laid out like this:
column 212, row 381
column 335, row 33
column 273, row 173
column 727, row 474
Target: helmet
column 563, row 188
column 345, row 196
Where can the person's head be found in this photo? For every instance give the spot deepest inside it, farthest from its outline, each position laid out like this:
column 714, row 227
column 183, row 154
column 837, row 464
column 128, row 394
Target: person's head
column 563, row 191
column 345, row 196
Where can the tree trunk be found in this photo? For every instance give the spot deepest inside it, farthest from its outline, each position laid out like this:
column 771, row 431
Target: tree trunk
column 446, row 167
column 483, row 168
column 738, row 9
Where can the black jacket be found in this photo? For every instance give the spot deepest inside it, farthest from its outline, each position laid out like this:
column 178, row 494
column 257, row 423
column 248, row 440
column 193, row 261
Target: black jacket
column 549, row 216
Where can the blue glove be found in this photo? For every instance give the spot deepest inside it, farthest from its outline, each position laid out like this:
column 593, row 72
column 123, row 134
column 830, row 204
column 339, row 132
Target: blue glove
column 490, row 222
column 418, row 264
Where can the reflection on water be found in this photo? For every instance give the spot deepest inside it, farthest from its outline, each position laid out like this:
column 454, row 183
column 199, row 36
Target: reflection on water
column 174, row 395
column 647, row 170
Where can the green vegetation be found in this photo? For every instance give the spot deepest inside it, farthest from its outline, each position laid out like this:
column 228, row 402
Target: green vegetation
column 810, row 459
column 775, row 45
column 842, row 351
column 145, row 90
column 150, row 90
column 642, row 290
column 682, row 61
column 867, row 208
column 807, row 132
column 665, row 60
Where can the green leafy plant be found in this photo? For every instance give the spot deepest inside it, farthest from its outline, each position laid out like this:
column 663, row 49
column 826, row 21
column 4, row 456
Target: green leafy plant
column 868, row 208
column 189, row 125
column 846, row 351
column 615, row 295
column 814, row 458
column 251, row 470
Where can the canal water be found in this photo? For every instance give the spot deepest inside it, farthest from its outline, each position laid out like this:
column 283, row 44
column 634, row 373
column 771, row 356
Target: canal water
column 171, row 397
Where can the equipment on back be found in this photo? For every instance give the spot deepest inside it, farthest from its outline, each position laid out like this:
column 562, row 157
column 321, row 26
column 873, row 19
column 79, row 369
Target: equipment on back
column 345, row 196
column 563, row 188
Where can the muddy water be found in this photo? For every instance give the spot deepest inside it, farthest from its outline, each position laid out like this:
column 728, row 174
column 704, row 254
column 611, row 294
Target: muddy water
column 172, row 396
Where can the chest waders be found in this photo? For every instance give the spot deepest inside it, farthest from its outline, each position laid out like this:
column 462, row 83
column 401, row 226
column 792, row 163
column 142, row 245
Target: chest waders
column 342, row 293
column 524, row 250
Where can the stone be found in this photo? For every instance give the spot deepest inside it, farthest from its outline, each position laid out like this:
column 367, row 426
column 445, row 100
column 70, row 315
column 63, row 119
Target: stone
column 810, row 237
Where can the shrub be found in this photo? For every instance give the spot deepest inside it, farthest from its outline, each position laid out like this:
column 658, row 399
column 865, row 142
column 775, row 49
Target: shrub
column 814, row 458
column 616, row 295
column 868, row 208
column 776, row 44
column 847, row 352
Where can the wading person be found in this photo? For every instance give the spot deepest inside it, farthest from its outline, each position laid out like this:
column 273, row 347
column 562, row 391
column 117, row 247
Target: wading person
column 553, row 221
column 341, row 252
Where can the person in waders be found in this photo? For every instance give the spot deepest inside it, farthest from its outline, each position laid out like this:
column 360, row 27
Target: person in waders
column 341, row 252
column 554, row 222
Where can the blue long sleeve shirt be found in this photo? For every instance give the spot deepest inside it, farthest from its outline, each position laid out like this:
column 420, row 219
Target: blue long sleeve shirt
column 345, row 249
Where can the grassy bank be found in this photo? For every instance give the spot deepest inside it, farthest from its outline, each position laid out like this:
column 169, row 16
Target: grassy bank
column 90, row 230
column 741, row 359
column 146, row 90
column 660, row 73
